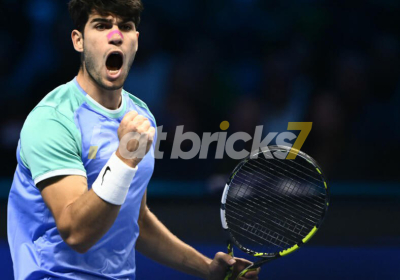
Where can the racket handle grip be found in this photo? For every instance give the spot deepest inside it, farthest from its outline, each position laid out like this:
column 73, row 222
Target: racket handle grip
column 229, row 270
column 229, row 273
column 245, row 271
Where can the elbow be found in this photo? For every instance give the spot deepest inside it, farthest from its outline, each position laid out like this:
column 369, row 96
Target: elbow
column 75, row 241
column 76, row 236
column 77, row 244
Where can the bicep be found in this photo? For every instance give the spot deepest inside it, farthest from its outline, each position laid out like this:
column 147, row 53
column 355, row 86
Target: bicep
column 59, row 192
column 53, row 157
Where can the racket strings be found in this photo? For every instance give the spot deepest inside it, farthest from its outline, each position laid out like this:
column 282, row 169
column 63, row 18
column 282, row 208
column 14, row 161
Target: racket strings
column 259, row 214
column 284, row 213
column 313, row 177
column 276, row 225
column 268, row 232
column 281, row 223
column 277, row 195
column 278, row 178
column 291, row 173
column 276, row 210
column 256, row 232
column 265, row 241
column 283, row 216
column 289, row 189
column 292, row 198
column 309, row 189
column 312, row 170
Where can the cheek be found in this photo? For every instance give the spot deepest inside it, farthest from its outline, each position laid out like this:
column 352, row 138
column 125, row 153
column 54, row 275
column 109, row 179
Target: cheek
column 133, row 40
column 93, row 43
column 92, row 49
column 132, row 47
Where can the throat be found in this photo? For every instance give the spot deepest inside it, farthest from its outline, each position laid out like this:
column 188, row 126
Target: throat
column 109, row 99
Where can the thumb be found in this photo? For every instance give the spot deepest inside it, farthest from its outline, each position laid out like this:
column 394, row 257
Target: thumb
column 224, row 259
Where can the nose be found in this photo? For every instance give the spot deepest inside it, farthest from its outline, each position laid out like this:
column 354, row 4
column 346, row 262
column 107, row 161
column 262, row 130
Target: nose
column 115, row 37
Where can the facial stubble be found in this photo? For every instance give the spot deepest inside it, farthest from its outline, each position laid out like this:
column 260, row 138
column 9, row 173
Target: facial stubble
column 94, row 70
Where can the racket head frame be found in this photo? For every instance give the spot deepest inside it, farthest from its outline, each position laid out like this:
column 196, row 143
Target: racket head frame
column 266, row 257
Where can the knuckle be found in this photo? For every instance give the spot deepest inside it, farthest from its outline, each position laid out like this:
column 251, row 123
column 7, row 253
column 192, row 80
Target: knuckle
column 129, row 115
column 132, row 127
column 139, row 116
column 138, row 120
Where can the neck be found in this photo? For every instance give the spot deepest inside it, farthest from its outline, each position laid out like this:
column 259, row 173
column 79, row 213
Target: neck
column 110, row 99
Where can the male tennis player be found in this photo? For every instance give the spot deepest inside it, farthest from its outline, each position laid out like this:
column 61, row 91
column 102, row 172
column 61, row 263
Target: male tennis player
column 77, row 206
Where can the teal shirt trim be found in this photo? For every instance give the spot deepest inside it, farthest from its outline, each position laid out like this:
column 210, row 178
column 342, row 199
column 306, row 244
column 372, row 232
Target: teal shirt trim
column 114, row 114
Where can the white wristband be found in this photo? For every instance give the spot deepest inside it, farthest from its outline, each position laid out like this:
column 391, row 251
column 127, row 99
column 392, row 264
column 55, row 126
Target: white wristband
column 114, row 180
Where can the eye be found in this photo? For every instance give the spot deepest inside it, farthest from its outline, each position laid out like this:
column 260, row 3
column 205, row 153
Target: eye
column 100, row 27
column 126, row 27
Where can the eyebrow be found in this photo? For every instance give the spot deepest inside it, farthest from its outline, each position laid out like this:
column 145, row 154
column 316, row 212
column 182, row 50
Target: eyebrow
column 110, row 21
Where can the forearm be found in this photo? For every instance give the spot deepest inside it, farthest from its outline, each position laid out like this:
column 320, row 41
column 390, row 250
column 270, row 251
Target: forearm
column 90, row 216
column 86, row 220
column 158, row 243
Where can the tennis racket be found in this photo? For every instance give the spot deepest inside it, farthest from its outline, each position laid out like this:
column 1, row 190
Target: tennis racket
column 271, row 206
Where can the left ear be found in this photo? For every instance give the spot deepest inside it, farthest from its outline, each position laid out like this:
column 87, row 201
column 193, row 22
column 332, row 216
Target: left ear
column 77, row 40
column 137, row 37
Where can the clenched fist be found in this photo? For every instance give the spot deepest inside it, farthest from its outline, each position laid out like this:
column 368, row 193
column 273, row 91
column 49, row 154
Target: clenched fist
column 136, row 136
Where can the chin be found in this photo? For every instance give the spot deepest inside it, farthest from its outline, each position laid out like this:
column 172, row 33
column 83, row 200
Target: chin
column 113, row 84
column 106, row 84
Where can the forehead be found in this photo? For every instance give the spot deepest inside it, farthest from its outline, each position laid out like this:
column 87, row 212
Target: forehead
column 108, row 16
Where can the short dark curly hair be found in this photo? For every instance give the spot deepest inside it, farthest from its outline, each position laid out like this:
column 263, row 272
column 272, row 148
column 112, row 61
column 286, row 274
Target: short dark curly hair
column 126, row 9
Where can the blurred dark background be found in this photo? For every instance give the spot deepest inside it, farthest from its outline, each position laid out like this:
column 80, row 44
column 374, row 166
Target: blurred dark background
column 251, row 63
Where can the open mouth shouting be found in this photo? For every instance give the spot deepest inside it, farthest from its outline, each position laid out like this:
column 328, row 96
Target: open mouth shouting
column 114, row 64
